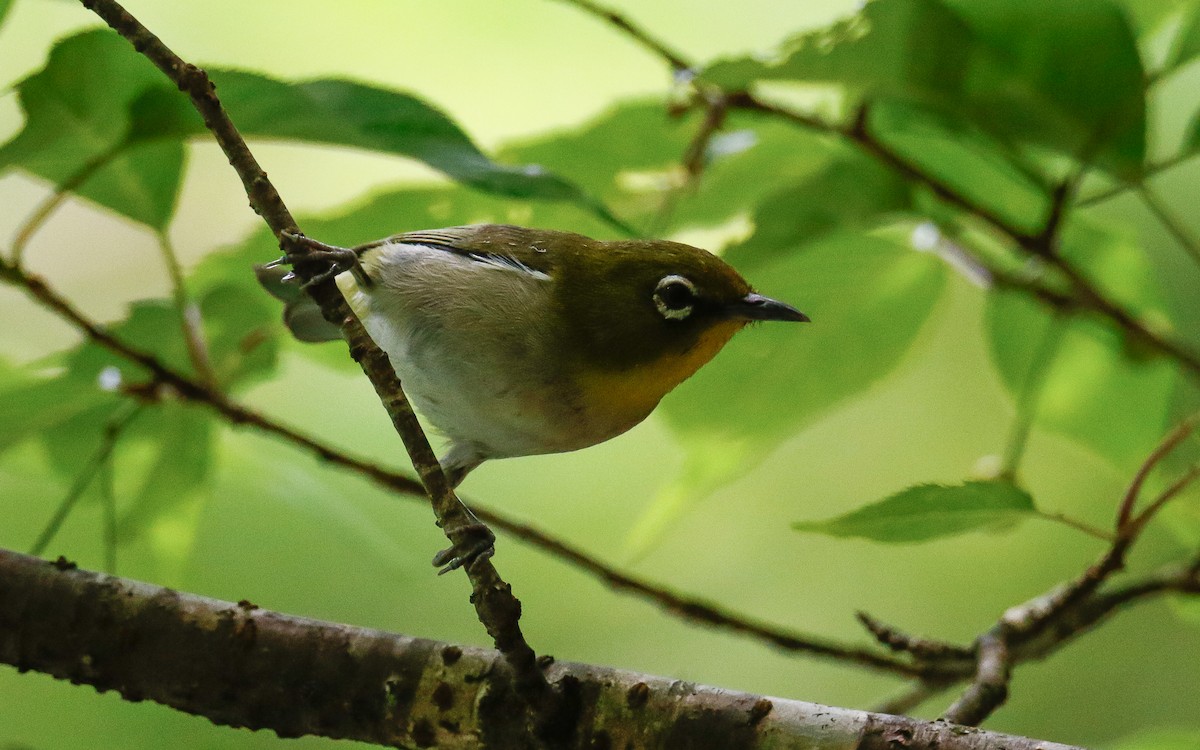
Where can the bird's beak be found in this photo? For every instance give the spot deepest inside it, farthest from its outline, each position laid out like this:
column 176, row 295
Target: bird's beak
column 757, row 307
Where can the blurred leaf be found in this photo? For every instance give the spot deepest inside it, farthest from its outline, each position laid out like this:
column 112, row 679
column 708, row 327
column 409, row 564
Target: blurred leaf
column 967, row 160
column 631, row 157
column 898, row 47
column 152, row 325
column 1023, row 70
column 1187, row 39
column 930, row 511
column 1099, row 391
column 5, row 7
column 181, row 437
column 1037, row 77
column 31, row 407
column 99, row 106
column 237, row 326
column 78, row 126
column 868, row 299
column 850, row 192
column 1161, row 739
column 1146, row 16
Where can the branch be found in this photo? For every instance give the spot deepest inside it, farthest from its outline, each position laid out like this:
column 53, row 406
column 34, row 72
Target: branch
column 498, row 610
column 639, row 35
column 243, row 666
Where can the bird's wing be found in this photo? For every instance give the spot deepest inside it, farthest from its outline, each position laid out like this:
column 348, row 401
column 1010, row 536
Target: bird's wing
column 532, row 251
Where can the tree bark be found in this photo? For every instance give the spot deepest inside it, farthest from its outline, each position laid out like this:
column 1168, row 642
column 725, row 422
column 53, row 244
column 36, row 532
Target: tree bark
column 243, row 666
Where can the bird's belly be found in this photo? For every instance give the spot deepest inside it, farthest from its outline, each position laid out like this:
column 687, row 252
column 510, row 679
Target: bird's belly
column 490, row 393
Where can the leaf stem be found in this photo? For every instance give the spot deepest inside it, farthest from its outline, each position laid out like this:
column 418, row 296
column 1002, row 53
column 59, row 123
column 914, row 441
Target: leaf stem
column 37, row 219
column 190, row 321
column 1170, row 221
column 112, row 433
column 1031, row 392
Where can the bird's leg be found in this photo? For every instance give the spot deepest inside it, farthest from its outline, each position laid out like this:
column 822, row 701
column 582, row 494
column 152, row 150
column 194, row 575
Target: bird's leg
column 475, row 542
column 339, row 259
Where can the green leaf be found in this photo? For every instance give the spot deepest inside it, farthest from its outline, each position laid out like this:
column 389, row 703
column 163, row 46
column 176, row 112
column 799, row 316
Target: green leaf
column 868, row 299
column 79, row 125
column 913, row 47
column 930, row 511
column 181, row 439
column 1161, row 739
column 1035, row 77
column 850, row 192
column 963, row 158
column 5, row 7
column 100, row 113
column 1146, row 16
column 353, row 114
column 1187, row 40
column 31, row 407
column 238, row 323
column 1098, row 391
column 1023, row 70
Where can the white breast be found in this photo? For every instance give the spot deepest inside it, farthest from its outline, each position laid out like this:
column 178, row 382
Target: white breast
column 471, row 342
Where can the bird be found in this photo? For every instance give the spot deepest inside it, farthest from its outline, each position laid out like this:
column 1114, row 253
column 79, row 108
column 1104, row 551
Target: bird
column 514, row 341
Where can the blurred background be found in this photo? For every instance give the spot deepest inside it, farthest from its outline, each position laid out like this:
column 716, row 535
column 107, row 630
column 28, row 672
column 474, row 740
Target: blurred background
column 275, row 527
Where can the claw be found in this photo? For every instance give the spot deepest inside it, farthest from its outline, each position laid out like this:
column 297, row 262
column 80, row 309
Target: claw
column 288, row 277
column 340, row 258
column 480, row 546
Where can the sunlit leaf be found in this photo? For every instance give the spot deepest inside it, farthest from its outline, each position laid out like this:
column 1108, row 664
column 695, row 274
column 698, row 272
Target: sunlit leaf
column 912, row 47
column 1187, row 39
column 1023, row 70
column 78, row 125
column 966, row 160
column 99, row 110
column 930, row 511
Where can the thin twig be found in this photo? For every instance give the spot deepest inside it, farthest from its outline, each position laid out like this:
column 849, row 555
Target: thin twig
column 1031, row 391
column 108, row 497
column 37, row 218
column 498, row 610
column 1161, row 451
column 911, row 697
column 675, row 60
column 1170, row 221
column 1124, row 187
column 99, row 458
column 1075, row 523
column 1090, row 297
column 190, row 320
column 922, row 648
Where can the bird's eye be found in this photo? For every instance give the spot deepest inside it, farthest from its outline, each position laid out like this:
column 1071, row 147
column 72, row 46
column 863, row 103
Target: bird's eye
column 674, row 297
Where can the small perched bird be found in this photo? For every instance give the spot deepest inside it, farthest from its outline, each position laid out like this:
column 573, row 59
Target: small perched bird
column 514, row 341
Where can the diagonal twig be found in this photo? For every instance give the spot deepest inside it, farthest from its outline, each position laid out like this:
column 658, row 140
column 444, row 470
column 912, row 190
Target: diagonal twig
column 498, row 610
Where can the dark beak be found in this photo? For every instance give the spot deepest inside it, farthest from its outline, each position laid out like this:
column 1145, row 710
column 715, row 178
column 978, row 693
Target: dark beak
column 757, row 307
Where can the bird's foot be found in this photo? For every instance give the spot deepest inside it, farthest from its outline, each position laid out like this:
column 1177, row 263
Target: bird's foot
column 300, row 250
column 473, row 542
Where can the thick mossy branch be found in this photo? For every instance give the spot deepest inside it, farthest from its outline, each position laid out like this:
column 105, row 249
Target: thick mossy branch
column 244, row 666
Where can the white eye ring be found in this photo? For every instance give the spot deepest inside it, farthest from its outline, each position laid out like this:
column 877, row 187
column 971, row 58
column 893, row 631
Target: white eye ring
column 674, row 297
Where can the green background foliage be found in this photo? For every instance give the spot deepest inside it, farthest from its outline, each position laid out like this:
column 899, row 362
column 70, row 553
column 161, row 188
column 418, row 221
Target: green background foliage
column 895, row 418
